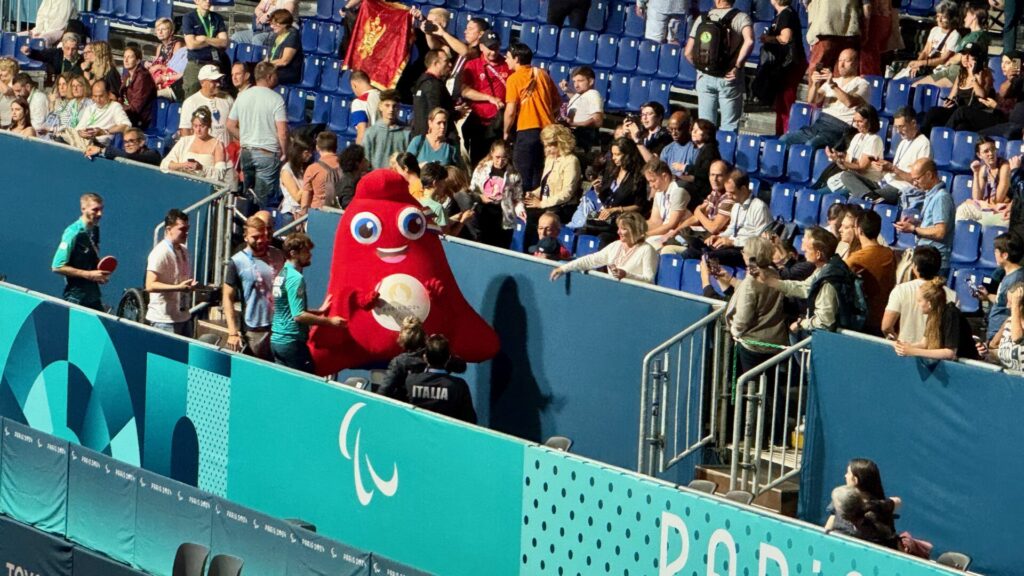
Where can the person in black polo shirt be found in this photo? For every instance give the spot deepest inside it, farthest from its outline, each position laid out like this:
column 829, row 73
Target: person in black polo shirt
column 437, row 390
column 430, row 92
column 205, row 35
column 78, row 255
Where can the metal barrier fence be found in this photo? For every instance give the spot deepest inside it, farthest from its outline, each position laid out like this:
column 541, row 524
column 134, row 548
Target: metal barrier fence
column 767, row 442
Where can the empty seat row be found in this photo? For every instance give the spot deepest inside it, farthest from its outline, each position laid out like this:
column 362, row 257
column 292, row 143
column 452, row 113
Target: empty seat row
column 136, row 12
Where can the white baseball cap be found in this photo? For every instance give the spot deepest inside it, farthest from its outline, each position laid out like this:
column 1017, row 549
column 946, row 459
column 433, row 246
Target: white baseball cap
column 210, row 72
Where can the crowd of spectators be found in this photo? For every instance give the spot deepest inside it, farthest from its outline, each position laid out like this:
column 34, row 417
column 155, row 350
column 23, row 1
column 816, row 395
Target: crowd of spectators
column 493, row 144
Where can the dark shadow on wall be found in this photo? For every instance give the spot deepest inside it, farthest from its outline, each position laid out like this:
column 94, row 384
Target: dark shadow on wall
column 185, row 452
column 516, row 399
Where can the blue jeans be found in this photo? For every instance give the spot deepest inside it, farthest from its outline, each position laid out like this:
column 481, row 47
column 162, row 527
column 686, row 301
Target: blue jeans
column 179, row 328
column 827, row 130
column 262, row 173
column 293, row 355
column 248, row 36
column 714, row 94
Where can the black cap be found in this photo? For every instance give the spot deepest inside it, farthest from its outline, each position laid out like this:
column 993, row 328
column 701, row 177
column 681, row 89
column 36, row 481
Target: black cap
column 491, row 40
column 974, row 49
column 1014, row 54
column 548, row 247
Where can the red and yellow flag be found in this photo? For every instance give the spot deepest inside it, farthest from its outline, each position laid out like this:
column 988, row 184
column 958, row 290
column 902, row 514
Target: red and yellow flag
column 381, row 41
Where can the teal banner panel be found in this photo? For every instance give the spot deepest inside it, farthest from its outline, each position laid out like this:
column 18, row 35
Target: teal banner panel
column 261, row 541
column 378, row 475
column 168, row 513
column 583, row 518
column 382, row 565
column 44, row 182
column 101, row 503
column 311, row 554
column 34, row 477
column 946, row 437
column 26, row 551
column 89, row 563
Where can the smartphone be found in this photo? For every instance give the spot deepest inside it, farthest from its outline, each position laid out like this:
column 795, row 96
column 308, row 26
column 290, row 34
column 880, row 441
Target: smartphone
column 429, row 27
column 199, row 166
column 753, row 270
column 714, row 268
column 973, row 287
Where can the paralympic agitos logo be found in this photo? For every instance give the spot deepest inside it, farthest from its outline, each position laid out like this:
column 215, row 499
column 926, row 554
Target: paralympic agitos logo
column 386, row 487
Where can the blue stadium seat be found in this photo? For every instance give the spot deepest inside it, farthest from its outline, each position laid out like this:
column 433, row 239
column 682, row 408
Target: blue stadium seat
column 755, row 53
column 926, row 96
column 118, row 8
column 474, row 6
column 748, row 150
column 691, row 278
column 510, row 8
column 133, row 10
column 820, row 162
column 995, row 65
column 322, row 104
column 827, row 200
column 668, row 61
column 942, row 146
column 921, row 7
column 635, row 25
column 616, row 22
column 9, row 44
column 800, row 114
column 962, row 188
column 877, row 84
column 340, row 110
column 601, row 81
column 587, row 244
column 889, row 215
column 560, row 71
column 327, row 41
column 773, row 160
column 988, row 248
column 947, row 178
column 405, row 114
column 798, row 163
column 339, row 4
column 173, row 118
column 325, row 10
column 906, row 240
column 503, row 27
column 246, row 53
column 763, row 12
column 149, row 14
column 329, row 75
column 894, row 143
column 1014, row 148
column 567, row 238
column 782, row 201
column 1001, row 144
column 547, row 41
column 966, row 242
column 530, row 35
column 648, row 57
column 884, row 124
column 345, row 84
column 629, row 51
column 568, row 44
column 687, row 77
column 518, row 236
column 101, row 29
column 963, row 151
column 310, row 35
column 897, row 95
column 105, row 8
column 597, row 16
column 661, row 92
column 798, row 244
column 164, row 8
column 807, row 204
column 727, row 145
column 962, row 280
column 586, row 48
column 639, row 92
column 670, row 271
column 529, row 11
column 311, row 71
column 492, row 7
column 542, row 11
column 618, row 92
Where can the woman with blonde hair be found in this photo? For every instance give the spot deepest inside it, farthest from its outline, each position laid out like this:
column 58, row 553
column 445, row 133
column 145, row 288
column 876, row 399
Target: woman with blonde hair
column 628, row 257
column 947, row 335
column 412, row 338
column 498, row 187
column 164, row 76
column 100, row 66
column 434, row 146
column 559, row 182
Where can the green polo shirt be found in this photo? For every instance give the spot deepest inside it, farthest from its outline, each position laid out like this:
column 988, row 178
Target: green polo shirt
column 289, row 302
column 79, row 248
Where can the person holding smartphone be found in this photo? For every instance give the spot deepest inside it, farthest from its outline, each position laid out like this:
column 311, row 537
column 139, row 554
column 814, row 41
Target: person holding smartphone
column 858, row 166
column 973, row 86
column 198, row 154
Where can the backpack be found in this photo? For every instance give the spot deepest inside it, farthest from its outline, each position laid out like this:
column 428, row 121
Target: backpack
column 713, row 50
column 333, row 193
column 852, row 313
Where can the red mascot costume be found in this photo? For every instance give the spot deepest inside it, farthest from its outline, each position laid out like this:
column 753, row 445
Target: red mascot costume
column 388, row 264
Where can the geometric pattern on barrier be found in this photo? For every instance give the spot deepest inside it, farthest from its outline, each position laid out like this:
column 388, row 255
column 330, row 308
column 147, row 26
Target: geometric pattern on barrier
column 208, row 407
column 581, row 518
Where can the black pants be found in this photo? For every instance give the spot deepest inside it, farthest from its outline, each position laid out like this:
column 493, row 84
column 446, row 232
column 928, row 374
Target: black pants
column 528, row 158
column 774, row 401
column 975, row 118
column 937, row 116
column 1008, row 130
column 730, row 256
column 489, row 219
column 575, row 10
column 479, row 135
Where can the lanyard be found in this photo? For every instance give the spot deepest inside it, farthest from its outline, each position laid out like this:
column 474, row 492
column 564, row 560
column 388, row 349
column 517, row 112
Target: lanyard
column 206, row 24
column 94, row 114
column 277, row 42
column 76, row 107
column 738, row 224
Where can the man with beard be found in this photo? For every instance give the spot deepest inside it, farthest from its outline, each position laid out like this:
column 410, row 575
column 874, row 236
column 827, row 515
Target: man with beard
column 250, row 276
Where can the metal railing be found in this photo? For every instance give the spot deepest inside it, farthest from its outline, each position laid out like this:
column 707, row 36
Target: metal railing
column 212, row 242
column 772, row 403
column 673, row 403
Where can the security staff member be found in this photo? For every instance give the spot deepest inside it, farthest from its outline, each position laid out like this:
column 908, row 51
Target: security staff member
column 437, row 390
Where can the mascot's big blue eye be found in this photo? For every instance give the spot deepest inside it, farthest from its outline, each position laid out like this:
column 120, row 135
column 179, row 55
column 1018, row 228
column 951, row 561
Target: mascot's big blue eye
column 366, row 228
column 411, row 223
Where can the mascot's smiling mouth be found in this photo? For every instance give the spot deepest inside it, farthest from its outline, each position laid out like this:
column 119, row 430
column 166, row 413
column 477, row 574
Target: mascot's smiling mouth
column 392, row 255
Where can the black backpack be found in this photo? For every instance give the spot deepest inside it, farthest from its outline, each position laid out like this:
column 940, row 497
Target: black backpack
column 713, row 50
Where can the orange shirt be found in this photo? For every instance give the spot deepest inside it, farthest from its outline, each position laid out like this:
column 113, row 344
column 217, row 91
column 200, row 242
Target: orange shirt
column 537, row 96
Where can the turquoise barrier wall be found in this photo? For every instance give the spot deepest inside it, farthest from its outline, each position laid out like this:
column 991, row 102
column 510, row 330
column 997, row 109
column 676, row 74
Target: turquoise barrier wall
column 571, row 350
column 945, row 435
column 427, row 491
column 42, row 184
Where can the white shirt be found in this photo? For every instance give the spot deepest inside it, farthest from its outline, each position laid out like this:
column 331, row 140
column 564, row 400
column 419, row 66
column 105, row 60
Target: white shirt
column 870, row 145
column 672, row 200
column 640, row 263
column 854, row 86
column 586, row 105
column 747, row 220
column 903, row 300
column 220, row 107
column 908, row 152
column 39, row 108
column 170, row 268
column 258, row 110
column 53, row 15
column 92, row 116
column 937, row 34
